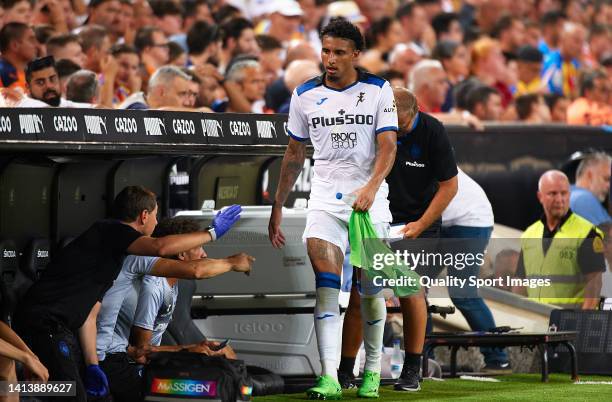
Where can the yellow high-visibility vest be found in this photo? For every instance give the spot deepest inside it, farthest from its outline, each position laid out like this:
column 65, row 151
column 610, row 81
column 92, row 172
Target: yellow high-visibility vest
column 559, row 264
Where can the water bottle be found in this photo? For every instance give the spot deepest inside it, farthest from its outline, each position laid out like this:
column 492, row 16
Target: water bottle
column 348, row 199
column 397, row 361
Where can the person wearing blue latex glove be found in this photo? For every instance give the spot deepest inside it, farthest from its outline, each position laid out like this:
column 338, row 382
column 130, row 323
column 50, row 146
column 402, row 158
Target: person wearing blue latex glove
column 96, row 382
column 224, row 220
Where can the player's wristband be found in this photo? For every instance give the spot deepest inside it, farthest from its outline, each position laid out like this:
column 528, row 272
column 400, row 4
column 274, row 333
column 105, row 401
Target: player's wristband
column 211, row 231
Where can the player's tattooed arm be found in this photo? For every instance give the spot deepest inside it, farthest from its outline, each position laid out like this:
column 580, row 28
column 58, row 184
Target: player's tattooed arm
column 291, row 167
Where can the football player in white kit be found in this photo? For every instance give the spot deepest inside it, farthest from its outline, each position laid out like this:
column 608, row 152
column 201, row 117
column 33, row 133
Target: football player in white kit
column 350, row 118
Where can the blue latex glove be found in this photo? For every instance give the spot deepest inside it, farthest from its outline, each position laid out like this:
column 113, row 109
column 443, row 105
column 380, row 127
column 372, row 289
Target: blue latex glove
column 96, row 382
column 225, row 219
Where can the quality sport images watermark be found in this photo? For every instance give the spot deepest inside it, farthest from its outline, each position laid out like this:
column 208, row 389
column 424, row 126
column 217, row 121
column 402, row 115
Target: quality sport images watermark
column 542, row 269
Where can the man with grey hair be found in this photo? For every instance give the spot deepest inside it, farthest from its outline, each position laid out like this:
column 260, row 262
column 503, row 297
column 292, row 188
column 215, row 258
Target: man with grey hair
column 561, row 257
column 592, row 186
column 83, row 87
column 429, row 84
column 168, row 89
column 249, row 83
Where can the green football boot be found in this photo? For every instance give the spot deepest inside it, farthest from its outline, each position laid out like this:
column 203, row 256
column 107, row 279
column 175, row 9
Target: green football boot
column 369, row 385
column 326, row 388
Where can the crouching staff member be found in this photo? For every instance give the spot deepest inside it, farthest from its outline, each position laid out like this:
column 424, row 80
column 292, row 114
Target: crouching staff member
column 57, row 318
column 143, row 304
column 422, row 183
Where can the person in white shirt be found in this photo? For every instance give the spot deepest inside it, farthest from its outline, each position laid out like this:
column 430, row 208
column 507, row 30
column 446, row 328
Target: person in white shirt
column 350, row 117
column 469, row 216
column 43, row 86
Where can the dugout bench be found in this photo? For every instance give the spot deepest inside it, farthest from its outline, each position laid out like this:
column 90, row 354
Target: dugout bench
column 541, row 340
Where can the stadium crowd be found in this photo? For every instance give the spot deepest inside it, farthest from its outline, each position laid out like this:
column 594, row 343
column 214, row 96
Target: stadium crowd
column 535, row 61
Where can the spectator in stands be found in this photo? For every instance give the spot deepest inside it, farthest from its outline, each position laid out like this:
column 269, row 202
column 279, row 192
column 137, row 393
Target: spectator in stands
column 533, row 33
column 66, row 46
column 315, row 10
column 301, row 51
column 194, row 11
column 128, row 80
column 176, row 55
column 429, row 84
column 403, row 58
column 238, row 38
column 168, row 16
column 58, row 14
column 552, row 25
column 283, row 20
column 143, row 14
column 560, row 71
column 593, row 107
column 489, row 67
column 106, row 13
column 16, row 11
column 510, row 32
column 572, row 255
column 193, row 87
column 125, row 25
column 65, row 68
column 43, row 33
column 83, row 87
column 146, row 313
column 381, row 38
column 350, row 11
column 96, row 45
column 203, row 44
column 413, row 19
column 557, row 104
column 271, row 57
column 18, row 47
column 57, row 317
column 152, row 45
column 167, row 88
column 485, row 103
column 373, row 10
column 13, row 349
column 600, row 45
column 455, row 59
column 447, row 27
column 248, row 75
column 298, row 72
column 531, row 108
column 591, row 188
column 43, row 86
column 529, row 68
column 431, row 8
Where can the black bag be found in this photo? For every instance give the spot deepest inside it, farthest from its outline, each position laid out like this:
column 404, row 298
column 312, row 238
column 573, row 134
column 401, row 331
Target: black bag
column 194, row 376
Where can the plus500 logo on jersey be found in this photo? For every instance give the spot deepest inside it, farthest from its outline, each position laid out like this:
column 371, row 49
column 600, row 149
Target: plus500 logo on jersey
column 366, row 119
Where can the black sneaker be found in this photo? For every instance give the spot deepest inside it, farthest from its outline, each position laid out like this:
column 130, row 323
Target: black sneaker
column 408, row 380
column 497, row 367
column 346, row 380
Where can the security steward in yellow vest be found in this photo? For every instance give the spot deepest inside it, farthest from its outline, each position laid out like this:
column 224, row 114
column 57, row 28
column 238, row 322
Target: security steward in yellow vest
column 562, row 253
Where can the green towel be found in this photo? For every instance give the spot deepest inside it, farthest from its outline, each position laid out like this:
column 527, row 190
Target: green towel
column 368, row 253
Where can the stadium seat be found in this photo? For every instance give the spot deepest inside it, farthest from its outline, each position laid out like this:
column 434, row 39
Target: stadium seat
column 79, row 197
column 228, row 180
column 9, row 266
column 25, row 199
column 152, row 173
column 36, row 258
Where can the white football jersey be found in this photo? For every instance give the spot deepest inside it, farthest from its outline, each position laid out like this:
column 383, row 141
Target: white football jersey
column 342, row 125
